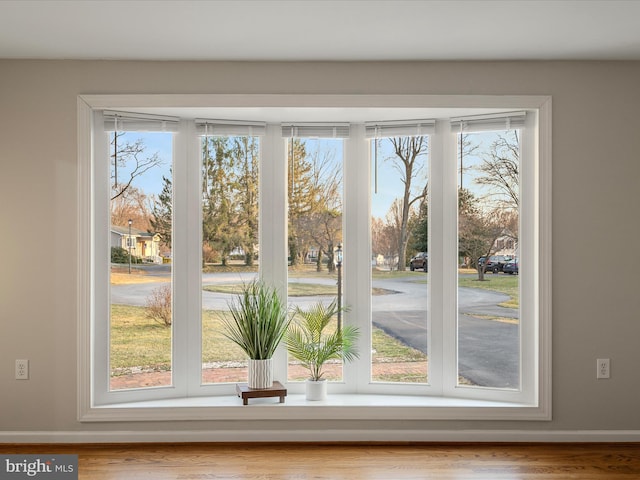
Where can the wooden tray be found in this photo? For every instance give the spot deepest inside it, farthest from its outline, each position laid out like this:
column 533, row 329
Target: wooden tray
column 276, row 390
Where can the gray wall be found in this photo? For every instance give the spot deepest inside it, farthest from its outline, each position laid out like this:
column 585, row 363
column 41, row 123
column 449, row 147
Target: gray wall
column 596, row 172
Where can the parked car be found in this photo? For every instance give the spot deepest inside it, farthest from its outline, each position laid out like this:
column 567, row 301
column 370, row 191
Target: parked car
column 511, row 267
column 419, row 261
column 494, row 264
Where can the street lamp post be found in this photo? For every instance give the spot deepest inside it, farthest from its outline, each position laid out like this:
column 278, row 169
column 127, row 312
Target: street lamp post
column 339, row 267
column 129, row 244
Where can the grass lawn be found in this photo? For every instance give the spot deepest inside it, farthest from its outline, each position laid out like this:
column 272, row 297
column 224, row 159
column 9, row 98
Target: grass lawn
column 138, row 342
column 390, row 275
column 503, row 283
column 507, row 284
column 142, row 344
column 119, row 278
column 388, row 349
column 294, row 289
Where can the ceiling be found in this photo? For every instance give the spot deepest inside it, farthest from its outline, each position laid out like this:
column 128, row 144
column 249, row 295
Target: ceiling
column 319, row 30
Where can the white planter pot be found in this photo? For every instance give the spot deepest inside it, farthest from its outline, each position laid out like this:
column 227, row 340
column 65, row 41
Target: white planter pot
column 260, row 373
column 316, row 390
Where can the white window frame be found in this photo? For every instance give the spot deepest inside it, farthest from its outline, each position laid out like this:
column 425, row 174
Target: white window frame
column 471, row 404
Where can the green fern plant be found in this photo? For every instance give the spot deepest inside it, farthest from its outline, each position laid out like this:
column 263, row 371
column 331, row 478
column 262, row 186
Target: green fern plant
column 258, row 321
column 308, row 343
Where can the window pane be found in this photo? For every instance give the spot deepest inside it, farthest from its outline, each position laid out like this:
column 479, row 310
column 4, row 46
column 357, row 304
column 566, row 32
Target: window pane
column 315, row 233
column 488, row 282
column 140, row 240
column 400, row 263
column 230, row 246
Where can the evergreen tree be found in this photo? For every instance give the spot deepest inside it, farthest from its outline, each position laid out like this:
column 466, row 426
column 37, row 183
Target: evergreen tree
column 162, row 213
column 219, row 180
column 301, row 198
column 245, row 150
column 419, row 227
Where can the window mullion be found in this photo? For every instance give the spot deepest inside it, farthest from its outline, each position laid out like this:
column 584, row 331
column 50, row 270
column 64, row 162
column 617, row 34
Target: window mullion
column 442, row 232
column 449, row 254
column 529, row 248
column 273, row 223
column 187, row 259
column 356, row 226
column 273, row 208
column 100, row 274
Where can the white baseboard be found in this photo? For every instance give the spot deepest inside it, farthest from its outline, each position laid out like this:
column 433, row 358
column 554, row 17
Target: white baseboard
column 321, row 436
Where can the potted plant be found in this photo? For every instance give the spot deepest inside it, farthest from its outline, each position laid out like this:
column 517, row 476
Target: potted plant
column 308, row 342
column 258, row 322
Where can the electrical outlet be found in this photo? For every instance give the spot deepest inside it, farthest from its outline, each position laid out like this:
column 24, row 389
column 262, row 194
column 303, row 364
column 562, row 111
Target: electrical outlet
column 22, row 369
column 603, row 368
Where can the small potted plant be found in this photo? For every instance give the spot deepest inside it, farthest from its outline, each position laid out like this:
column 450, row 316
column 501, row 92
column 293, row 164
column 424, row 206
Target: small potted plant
column 258, row 322
column 308, row 342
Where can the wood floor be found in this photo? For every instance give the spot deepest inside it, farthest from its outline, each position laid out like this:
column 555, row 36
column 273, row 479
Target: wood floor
column 348, row 461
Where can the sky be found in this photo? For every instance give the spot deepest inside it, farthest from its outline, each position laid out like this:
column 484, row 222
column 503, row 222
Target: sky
column 389, row 185
column 162, row 143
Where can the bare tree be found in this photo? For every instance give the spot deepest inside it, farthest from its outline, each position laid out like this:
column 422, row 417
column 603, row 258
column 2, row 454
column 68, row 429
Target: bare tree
column 315, row 203
column 387, row 233
column 408, row 152
column 132, row 204
column 326, row 227
column 466, row 148
column 129, row 162
column 479, row 231
column 500, row 170
column 494, row 215
column 384, row 239
column 380, row 243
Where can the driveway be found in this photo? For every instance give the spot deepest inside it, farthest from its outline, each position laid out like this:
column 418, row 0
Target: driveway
column 488, row 349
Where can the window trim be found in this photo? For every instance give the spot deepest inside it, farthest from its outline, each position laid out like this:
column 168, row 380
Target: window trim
column 339, row 406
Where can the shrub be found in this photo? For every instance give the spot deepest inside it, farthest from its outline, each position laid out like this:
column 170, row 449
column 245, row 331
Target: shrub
column 209, row 255
column 159, row 305
column 121, row 255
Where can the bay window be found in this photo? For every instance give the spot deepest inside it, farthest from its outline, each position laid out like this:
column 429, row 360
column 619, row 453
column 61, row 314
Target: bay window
column 427, row 215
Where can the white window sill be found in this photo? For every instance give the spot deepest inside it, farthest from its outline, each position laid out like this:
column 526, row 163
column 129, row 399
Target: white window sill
column 296, row 407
